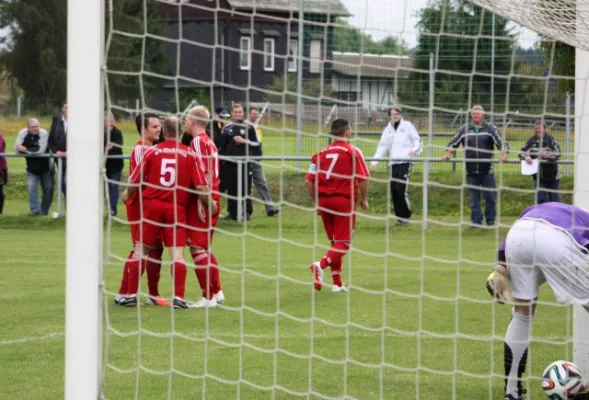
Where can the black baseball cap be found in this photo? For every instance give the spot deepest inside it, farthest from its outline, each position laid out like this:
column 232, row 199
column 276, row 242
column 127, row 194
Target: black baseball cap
column 222, row 111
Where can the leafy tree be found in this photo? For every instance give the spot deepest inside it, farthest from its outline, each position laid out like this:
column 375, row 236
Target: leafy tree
column 563, row 64
column 349, row 39
column 288, row 92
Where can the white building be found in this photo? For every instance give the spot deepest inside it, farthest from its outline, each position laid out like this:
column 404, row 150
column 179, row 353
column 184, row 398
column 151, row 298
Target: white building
column 369, row 79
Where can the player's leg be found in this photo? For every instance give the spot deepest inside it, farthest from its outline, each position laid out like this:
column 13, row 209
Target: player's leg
column 202, row 260
column 343, row 229
column 476, row 216
column 153, row 268
column 403, row 204
column 318, row 266
column 393, row 187
column 230, row 171
column 214, row 265
column 134, row 218
column 174, row 238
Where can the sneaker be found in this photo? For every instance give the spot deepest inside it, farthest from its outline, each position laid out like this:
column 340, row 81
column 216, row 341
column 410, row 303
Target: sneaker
column 180, row 303
column 118, row 298
column 220, row 297
column 317, row 275
column 272, row 212
column 402, row 223
column 158, row 301
column 512, row 397
column 128, row 301
column 204, row 303
column 337, row 289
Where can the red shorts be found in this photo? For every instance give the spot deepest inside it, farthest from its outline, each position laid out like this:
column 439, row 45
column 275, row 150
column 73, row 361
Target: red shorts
column 200, row 234
column 134, row 218
column 339, row 227
column 165, row 220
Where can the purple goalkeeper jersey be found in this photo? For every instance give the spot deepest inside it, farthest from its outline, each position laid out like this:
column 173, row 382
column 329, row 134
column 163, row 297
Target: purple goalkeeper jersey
column 573, row 219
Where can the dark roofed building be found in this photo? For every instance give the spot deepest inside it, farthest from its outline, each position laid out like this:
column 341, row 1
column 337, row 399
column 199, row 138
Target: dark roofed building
column 368, row 78
column 242, row 50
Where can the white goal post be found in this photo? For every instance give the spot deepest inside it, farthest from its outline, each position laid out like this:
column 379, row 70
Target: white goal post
column 85, row 90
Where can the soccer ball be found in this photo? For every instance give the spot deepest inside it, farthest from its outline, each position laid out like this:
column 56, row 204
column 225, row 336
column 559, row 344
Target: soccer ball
column 561, row 380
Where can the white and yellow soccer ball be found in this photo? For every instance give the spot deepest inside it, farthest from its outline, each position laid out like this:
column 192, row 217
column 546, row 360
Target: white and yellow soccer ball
column 561, row 380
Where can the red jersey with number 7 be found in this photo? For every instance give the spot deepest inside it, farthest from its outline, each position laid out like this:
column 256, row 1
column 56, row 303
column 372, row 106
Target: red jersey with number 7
column 338, row 168
column 167, row 171
column 207, row 153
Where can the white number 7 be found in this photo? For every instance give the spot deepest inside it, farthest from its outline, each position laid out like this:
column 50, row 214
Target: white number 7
column 333, row 157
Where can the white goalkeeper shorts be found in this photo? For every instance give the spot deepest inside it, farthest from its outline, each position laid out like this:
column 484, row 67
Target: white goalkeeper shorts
column 538, row 252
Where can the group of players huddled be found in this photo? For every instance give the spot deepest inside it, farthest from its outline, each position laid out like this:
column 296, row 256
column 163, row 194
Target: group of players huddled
column 173, row 201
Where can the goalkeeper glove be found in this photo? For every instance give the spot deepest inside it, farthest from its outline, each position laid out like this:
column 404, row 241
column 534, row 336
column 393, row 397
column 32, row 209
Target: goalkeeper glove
column 498, row 284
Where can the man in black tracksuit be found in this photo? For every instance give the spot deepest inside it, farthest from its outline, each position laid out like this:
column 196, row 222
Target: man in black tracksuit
column 479, row 139
column 215, row 131
column 241, row 141
column 58, row 143
column 544, row 147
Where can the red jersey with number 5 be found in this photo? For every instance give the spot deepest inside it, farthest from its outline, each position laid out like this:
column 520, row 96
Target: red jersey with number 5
column 207, row 153
column 167, row 170
column 338, row 168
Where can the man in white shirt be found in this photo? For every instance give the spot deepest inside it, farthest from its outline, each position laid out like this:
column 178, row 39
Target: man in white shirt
column 402, row 142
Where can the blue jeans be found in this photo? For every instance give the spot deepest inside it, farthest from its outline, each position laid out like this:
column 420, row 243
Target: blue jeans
column 485, row 181
column 544, row 196
column 113, row 191
column 44, row 179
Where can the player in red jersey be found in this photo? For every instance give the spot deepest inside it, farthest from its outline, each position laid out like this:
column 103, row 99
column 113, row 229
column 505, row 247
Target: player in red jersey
column 201, row 221
column 148, row 127
column 334, row 177
column 167, row 173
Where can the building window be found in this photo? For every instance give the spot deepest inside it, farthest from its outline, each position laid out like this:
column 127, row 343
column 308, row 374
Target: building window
column 293, row 51
column 245, row 53
column 315, row 56
column 269, row 54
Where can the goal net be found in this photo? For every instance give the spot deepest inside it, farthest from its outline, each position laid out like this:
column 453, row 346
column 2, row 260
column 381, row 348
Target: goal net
column 416, row 321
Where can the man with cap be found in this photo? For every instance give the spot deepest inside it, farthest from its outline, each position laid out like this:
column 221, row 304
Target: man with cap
column 216, row 134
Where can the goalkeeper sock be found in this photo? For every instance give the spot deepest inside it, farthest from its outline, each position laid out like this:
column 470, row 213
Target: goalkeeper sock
column 153, row 267
column 135, row 267
column 517, row 340
column 179, row 274
column 201, row 264
column 124, row 280
column 215, row 278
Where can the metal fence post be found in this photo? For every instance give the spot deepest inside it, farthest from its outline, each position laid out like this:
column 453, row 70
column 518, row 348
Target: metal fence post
column 239, row 190
column 430, row 122
column 568, row 132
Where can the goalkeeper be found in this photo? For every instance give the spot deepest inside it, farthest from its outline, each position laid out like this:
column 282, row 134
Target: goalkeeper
column 548, row 243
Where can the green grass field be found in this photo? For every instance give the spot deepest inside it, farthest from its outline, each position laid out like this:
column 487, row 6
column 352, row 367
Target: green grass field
column 417, row 322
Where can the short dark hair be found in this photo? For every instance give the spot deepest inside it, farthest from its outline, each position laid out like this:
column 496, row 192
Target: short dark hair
column 540, row 122
column 249, row 110
column 236, row 105
column 395, row 108
column 142, row 120
column 339, row 127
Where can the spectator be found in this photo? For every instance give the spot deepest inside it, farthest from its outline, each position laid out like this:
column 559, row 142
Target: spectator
column 478, row 138
column 401, row 140
column 258, row 177
column 113, row 146
column 33, row 141
column 242, row 141
column 58, row 143
column 544, row 147
column 3, row 171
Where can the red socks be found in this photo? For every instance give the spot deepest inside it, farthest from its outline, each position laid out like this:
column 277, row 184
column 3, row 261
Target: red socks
column 333, row 258
column 203, row 273
column 153, row 267
column 179, row 275
column 132, row 267
column 215, row 278
column 125, row 280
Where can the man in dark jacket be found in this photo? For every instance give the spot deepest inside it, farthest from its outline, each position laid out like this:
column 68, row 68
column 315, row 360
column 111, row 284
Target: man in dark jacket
column 113, row 146
column 58, row 142
column 544, row 147
column 215, row 131
column 241, row 141
column 479, row 139
column 3, row 171
column 33, row 141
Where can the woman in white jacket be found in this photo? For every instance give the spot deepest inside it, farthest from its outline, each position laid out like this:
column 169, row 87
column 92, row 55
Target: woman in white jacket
column 401, row 140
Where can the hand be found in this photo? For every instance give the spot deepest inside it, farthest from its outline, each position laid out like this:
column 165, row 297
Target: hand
column 202, row 214
column 543, row 156
column 364, row 205
column 498, row 284
column 125, row 196
column 21, row 148
column 445, row 157
column 373, row 167
column 528, row 160
column 109, row 148
column 504, row 157
column 61, row 154
column 411, row 153
column 214, row 209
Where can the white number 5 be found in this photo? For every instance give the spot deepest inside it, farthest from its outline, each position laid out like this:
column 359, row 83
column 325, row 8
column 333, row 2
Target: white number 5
column 333, row 157
column 168, row 171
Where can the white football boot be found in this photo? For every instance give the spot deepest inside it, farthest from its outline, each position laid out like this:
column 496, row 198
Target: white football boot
column 317, row 275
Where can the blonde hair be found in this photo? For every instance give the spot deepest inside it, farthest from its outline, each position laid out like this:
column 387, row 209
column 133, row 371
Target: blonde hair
column 477, row 107
column 200, row 115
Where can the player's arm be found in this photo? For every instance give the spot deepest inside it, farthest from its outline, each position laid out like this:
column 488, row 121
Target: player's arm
column 138, row 173
column 362, row 175
column 203, row 191
column 383, row 146
column 455, row 142
column 498, row 282
column 416, row 140
column 202, row 153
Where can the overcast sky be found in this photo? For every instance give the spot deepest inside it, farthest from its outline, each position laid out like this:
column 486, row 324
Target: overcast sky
column 381, row 18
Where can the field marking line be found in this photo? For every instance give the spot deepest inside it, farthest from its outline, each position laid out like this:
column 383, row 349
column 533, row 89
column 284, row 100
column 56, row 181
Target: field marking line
column 50, row 336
